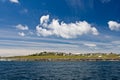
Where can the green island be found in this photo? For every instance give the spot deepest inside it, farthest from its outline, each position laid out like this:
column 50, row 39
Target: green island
column 59, row 56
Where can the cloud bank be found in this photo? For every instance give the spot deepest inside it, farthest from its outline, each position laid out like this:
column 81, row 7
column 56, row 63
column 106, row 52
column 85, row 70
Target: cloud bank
column 64, row 30
column 14, row 1
column 113, row 25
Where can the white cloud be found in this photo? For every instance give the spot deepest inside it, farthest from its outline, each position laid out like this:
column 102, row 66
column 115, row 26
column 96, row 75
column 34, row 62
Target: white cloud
column 21, row 34
column 64, row 30
column 43, row 32
column 90, row 44
column 44, row 19
column 21, row 27
column 94, row 31
column 14, row 1
column 113, row 25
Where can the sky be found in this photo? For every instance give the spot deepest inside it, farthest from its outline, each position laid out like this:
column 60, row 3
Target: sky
column 77, row 26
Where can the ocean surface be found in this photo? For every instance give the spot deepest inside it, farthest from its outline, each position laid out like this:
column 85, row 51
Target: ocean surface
column 64, row 70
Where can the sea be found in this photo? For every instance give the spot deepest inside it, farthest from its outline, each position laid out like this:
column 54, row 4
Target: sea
column 59, row 70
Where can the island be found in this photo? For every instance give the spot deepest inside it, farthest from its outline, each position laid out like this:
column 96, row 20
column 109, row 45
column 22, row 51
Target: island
column 60, row 56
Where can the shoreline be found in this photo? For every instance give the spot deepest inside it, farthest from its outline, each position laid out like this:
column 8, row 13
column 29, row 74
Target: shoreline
column 55, row 56
column 59, row 60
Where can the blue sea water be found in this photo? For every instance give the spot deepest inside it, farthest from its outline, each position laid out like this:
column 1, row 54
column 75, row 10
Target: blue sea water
column 64, row 70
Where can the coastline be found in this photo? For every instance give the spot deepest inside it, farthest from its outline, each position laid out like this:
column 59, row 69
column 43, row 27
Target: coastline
column 55, row 56
column 19, row 59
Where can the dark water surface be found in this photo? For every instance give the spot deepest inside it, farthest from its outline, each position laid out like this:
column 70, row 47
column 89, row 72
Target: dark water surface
column 65, row 70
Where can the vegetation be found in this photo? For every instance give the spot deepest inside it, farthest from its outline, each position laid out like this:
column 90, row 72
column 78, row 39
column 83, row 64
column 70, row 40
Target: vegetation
column 59, row 56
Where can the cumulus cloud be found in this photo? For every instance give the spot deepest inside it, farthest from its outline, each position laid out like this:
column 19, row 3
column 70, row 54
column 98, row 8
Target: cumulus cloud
column 21, row 34
column 64, row 30
column 44, row 19
column 90, row 44
column 14, row 1
column 21, row 27
column 113, row 25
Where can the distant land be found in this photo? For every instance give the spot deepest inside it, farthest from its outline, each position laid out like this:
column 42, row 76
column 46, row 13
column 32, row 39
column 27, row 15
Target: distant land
column 60, row 56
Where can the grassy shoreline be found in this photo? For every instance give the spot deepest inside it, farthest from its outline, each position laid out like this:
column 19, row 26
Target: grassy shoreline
column 53, row 56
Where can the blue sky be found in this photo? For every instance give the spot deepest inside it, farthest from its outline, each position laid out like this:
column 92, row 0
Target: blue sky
column 78, row 26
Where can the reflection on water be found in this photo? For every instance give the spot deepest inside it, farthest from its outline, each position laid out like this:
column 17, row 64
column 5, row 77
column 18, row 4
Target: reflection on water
column 66, row 70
